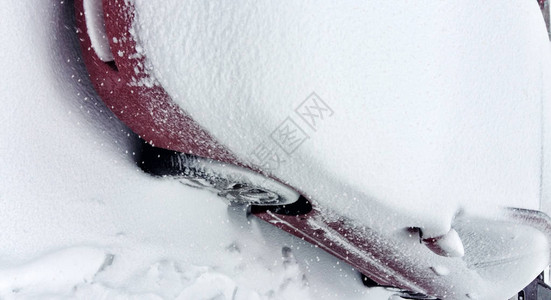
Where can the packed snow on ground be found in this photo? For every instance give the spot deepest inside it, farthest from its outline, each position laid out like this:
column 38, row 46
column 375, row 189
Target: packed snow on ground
column 433, row 104
column 79, row 220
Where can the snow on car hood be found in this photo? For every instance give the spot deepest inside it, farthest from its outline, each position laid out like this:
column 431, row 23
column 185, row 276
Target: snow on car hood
column 411, row 108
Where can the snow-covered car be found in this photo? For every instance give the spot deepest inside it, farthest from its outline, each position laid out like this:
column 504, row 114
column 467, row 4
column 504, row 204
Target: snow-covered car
column 408, row 139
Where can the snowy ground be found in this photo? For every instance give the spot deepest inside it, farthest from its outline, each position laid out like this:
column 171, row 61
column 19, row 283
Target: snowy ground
column 79, row 219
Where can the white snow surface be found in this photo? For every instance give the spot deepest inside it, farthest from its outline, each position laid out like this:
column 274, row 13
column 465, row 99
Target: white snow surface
column 437, row 105
column 93, row 14
column 79, row 220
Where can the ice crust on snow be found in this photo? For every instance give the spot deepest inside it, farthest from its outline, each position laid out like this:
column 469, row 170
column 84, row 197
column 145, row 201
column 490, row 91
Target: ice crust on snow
column 448, row 245
column 81, row 272
column 440, row 270
column 437, row 106
column 53, row 273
